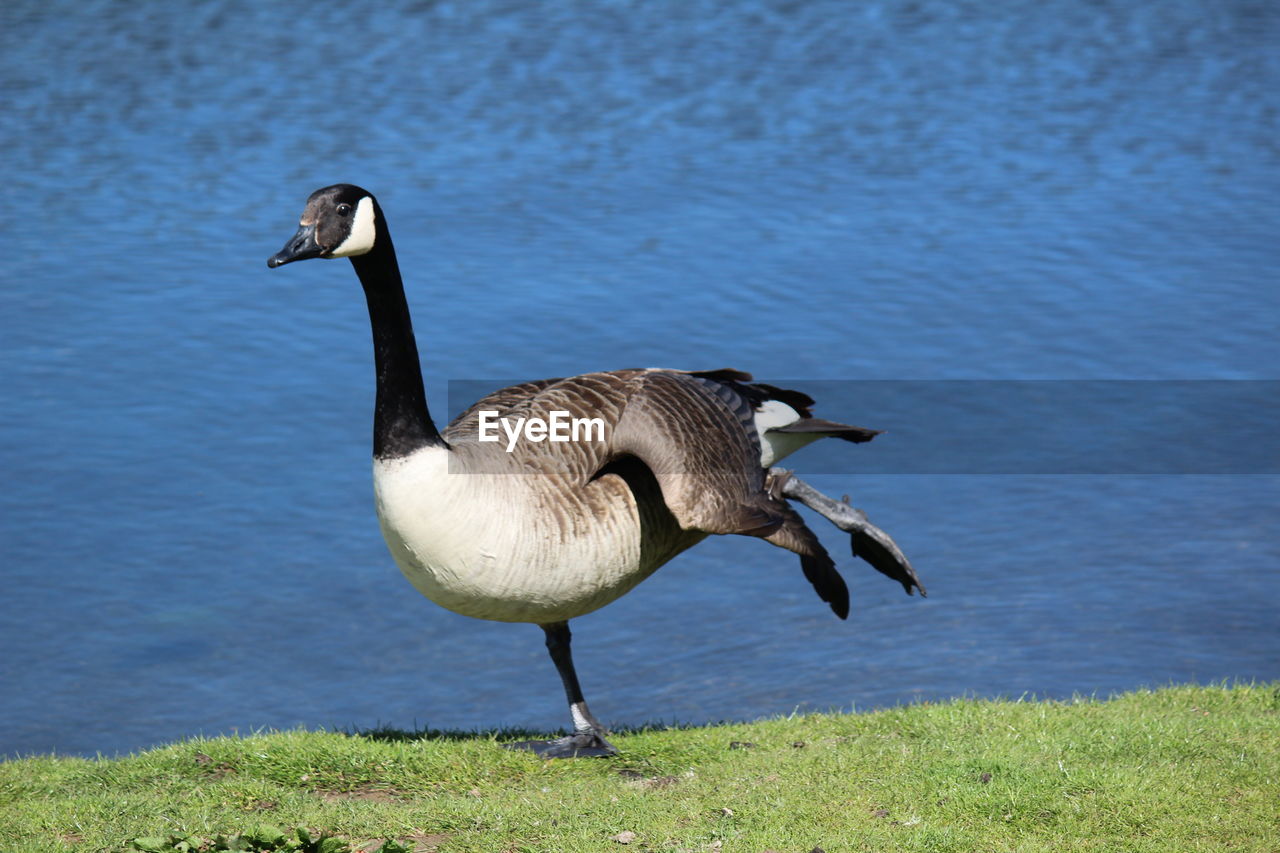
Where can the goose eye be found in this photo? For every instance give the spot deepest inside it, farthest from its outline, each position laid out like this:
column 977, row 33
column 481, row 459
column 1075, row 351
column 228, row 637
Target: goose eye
column 344, row 210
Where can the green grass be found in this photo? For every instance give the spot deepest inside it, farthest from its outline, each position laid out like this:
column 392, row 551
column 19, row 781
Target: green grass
column 1179, row 769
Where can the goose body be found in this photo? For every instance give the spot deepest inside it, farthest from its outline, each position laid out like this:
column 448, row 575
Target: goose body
column 530, row 529
column 526, row 536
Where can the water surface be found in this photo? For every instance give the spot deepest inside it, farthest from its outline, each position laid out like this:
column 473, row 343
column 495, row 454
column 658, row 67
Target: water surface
column 814, row 191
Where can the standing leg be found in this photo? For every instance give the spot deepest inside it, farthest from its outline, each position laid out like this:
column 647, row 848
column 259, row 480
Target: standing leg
column 587, row 739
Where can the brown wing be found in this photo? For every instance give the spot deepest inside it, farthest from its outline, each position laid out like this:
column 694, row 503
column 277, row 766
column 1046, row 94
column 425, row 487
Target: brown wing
column 706, row 463
column 601, row 396
column 705, row 459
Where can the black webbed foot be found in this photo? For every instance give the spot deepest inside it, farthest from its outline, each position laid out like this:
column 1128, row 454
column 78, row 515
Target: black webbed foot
column 576, row 745
column 868, row 541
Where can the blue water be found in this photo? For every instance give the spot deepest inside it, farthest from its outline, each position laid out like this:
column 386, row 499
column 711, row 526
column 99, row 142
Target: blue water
column 810, row 191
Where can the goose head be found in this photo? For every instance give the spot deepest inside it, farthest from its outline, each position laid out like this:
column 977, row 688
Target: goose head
column 341, row 221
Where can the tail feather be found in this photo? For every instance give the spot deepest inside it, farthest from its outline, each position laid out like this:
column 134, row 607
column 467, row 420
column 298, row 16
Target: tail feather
column 833, row 429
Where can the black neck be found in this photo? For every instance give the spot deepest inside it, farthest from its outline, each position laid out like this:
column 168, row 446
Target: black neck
column 401, row 422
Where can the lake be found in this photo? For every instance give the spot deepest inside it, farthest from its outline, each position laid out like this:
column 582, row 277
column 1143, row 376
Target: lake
column 940, row 214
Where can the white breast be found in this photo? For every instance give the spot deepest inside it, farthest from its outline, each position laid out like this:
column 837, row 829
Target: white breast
column 485, row 545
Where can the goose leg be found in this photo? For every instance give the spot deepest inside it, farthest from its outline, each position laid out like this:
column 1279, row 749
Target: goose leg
column 587, row 740
column 868, row 541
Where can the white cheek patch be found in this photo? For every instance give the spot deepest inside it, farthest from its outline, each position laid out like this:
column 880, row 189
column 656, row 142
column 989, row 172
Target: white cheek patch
column 363, row 232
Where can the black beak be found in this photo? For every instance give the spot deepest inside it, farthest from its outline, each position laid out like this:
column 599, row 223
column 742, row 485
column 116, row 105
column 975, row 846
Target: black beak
column 300, row 247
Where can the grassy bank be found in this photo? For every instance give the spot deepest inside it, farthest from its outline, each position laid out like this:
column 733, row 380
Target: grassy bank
column 1186, row 768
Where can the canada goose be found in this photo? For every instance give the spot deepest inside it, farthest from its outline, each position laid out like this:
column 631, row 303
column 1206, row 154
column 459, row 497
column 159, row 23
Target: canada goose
column 543, row 531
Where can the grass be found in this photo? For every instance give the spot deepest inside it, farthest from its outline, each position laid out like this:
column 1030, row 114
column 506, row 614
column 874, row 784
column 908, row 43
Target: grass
column 1178, row 769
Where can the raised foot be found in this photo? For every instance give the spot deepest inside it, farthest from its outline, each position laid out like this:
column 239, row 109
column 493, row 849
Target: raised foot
column 577, row 745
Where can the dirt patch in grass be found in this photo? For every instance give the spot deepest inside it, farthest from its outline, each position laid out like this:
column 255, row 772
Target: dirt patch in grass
column 639, row 780
column 216, row 771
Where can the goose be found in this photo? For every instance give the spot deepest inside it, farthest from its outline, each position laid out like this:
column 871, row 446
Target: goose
column 532, row 528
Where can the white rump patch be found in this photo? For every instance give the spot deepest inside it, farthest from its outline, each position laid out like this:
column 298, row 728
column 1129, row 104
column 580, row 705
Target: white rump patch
column 775, row 445
column 363, row 232
column 773, row 414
